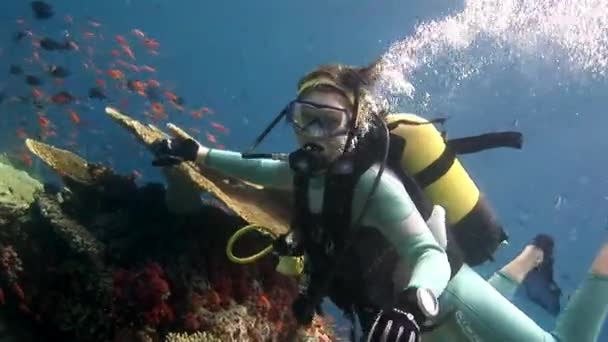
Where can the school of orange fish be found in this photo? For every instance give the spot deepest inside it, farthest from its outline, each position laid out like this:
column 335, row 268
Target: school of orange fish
column 118, row 77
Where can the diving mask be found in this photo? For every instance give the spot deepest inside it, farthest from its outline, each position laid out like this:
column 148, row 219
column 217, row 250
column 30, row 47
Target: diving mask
column 317, row 120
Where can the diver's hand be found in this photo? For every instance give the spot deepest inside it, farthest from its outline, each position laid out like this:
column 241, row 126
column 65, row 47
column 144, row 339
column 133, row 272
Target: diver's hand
column 394, row 325
column 174, row 151
column 285, row 245
column 437, row 225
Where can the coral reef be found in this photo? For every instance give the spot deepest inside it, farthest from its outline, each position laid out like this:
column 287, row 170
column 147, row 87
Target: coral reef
column 99, row 258
column 17, row 192
column 71, row 232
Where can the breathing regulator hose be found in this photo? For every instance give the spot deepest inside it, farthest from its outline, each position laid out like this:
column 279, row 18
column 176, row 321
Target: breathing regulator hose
column 288, row 265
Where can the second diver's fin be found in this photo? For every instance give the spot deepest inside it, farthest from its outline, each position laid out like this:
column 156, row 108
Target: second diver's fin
column 486, row 141
column 539, row 285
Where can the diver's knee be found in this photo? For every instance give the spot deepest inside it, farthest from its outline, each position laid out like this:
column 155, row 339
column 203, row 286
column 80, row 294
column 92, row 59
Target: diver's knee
column 600, row 263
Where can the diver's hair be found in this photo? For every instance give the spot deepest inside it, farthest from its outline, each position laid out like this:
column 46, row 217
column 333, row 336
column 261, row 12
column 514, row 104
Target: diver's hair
column 349, row 79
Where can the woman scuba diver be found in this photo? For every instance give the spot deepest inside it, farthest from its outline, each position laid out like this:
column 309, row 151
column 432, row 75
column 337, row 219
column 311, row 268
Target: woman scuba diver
column 366, row 245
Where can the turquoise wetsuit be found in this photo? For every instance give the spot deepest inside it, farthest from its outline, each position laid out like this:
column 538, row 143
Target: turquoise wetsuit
column 471, row 308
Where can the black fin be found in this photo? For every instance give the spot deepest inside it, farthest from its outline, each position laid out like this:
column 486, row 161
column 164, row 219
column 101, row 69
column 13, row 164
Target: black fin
column 539, row 285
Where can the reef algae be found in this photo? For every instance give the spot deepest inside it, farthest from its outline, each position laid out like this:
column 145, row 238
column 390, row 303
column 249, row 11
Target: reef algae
column 100, row 258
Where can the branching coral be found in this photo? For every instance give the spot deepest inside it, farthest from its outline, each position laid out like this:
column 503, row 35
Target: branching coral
column 75, row 235
column 192, row 337
column 145, row 293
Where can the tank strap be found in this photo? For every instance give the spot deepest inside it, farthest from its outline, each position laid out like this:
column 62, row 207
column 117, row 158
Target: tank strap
column 466, row 145
column 437, row 168
column 486, row 141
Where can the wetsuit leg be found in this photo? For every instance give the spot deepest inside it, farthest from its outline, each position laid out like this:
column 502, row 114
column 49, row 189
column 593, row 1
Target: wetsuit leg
column 504, row 284
column 478, row 312
column 584, row 315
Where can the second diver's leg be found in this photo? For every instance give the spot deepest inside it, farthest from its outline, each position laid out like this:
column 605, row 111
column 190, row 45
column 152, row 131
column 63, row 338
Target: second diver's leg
column 478, row 312
column 584, row 315
column 510, row 276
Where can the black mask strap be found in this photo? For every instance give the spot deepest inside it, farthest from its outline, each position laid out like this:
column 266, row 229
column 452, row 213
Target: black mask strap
column 249, row 153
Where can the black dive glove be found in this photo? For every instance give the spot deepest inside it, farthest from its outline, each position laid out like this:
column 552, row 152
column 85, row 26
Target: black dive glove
column 402, row 322
column 285, row 245
column 174, row 151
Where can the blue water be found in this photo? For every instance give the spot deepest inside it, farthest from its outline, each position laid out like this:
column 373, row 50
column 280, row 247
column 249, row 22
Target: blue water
column 242, row 60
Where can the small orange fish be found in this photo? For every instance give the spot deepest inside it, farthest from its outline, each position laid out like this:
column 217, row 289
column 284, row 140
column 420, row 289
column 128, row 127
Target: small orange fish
column 74, row 117
column 62, row 97
column 100, row 83
column 137, row 86
column 211, row 138
column 44, row 122
column 37, row 94
column 115, row 53
column 138, row 33
column 170, row 96
column 68, row 19
column 153, row 83
column 88, row 35
column 121, row 40
column 218, row 127
column 27, row 160
column 116, row 74
column 21, row 133
column 151, row 44
column 177, row 107
column 147, row 68
column 157, row 108
column 197, row 114
column 128, row 51
column 94, row 23
column 129, row 66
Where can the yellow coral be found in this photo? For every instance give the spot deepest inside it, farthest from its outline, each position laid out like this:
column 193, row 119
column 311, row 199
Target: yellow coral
column 192, row 337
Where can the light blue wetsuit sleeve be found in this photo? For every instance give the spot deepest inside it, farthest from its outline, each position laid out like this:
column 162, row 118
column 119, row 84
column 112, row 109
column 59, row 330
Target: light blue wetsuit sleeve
column 265, row 172
column 392, row 211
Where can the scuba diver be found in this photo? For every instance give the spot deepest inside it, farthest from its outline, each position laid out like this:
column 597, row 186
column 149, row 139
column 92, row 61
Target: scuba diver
column 386, row 230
